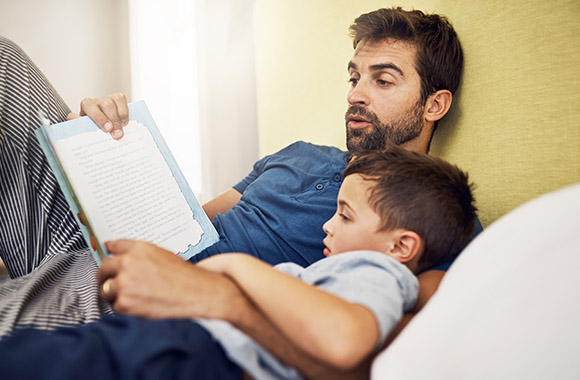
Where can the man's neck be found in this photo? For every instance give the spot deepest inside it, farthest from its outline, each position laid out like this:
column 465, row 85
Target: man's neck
column 422, row 142
column 416, row 146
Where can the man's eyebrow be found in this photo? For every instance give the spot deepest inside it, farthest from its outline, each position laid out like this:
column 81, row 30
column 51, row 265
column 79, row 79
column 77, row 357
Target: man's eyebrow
column 383, row 66
column 378, row 67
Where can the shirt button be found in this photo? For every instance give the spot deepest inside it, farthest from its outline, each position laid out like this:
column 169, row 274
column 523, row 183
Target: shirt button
column 337, row 177
column 319, row 186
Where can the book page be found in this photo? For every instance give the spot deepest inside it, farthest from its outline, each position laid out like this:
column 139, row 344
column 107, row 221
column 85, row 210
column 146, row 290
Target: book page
column 127, row 189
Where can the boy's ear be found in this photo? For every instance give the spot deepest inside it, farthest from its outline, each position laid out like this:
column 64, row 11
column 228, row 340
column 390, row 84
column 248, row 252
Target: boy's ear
column 407, row 248
column 437, row 105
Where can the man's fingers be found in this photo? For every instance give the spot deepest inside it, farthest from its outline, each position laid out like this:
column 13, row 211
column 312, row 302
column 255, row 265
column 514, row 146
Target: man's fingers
column 122, row 107
column 109, row 268
column 90, row 108
column 108, row 290
column 110, row 113
column 115, row 109
column 120, row 246
column 72, row 116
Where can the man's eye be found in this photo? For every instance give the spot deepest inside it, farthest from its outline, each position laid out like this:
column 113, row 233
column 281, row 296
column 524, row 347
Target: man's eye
column 353, row 81
column 383, row 83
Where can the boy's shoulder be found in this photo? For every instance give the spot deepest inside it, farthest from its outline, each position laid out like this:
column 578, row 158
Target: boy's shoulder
column 366, row 277
column 348, row 263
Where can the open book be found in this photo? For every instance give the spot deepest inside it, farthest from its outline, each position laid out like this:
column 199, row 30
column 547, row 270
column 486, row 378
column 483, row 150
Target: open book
column 130, row 188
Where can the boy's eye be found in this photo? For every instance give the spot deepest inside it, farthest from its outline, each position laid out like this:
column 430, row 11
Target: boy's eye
column 343, row 217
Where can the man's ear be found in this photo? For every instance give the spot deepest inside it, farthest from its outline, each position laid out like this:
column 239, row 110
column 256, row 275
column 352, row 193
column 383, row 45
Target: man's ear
column 407, row 248
column 437, row 105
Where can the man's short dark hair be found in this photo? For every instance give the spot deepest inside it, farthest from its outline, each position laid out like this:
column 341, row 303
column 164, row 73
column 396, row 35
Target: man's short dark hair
column 423, row 194
column 439, row 54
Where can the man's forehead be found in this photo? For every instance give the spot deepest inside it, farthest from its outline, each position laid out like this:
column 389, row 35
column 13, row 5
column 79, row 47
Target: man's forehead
column 369, row 54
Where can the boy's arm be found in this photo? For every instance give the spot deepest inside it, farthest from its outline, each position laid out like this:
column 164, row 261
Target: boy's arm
column 153, row 283
column 308, row 316
column 253, row 323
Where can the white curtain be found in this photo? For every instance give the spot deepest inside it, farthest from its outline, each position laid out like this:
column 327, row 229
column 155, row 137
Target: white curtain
column 193, row 64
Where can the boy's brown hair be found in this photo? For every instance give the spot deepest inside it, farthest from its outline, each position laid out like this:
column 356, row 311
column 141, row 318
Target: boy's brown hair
column 439, row 54
column 423, row 194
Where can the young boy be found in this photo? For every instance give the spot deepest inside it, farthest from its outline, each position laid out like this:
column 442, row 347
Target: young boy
column 398, row 212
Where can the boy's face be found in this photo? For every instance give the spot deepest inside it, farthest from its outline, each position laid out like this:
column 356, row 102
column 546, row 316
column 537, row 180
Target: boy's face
column 355, row 224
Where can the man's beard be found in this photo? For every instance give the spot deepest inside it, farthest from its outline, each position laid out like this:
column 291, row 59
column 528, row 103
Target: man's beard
column 379, row 136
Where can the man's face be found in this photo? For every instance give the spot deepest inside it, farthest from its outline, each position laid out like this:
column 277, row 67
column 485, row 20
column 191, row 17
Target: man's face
column 385, row 98
column 355, row 225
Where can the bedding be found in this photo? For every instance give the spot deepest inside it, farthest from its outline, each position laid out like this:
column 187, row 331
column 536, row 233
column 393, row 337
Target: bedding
column 507, row 308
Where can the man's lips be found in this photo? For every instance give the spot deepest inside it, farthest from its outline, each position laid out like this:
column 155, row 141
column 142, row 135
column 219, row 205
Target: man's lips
column 357, row 122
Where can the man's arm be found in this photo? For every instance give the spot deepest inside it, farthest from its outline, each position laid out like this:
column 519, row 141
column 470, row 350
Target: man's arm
column 222, row 203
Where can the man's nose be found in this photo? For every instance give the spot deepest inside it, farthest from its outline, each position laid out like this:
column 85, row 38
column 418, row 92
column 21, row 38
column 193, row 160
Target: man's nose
column 358, row 94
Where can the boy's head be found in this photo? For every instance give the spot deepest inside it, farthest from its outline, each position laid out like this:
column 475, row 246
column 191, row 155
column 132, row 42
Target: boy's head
column 416, row 208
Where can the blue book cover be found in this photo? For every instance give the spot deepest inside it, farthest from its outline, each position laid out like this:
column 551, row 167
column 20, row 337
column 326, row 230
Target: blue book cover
column 130, row 188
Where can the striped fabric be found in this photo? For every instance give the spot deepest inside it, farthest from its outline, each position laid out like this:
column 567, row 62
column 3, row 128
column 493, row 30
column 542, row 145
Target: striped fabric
column 52, row 271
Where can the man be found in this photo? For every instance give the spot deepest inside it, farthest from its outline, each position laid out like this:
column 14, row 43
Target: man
column 402, row 85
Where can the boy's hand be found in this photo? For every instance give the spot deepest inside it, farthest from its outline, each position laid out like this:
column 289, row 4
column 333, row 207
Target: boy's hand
column 110, row 113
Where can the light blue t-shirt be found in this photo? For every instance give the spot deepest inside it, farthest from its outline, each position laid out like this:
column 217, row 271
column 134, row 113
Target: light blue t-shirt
column 374, row 280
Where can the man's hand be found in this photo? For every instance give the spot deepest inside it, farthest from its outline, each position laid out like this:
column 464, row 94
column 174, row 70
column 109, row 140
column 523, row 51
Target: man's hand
column 110, row 113
column 148, row 281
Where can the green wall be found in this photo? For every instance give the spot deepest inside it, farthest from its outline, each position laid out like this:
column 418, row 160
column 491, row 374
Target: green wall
column 514, row 124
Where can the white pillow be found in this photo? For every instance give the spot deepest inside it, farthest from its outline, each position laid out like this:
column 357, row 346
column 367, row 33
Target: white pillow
column 509, row 307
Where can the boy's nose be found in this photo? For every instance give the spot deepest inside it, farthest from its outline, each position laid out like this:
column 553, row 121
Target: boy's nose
column 325, row 227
